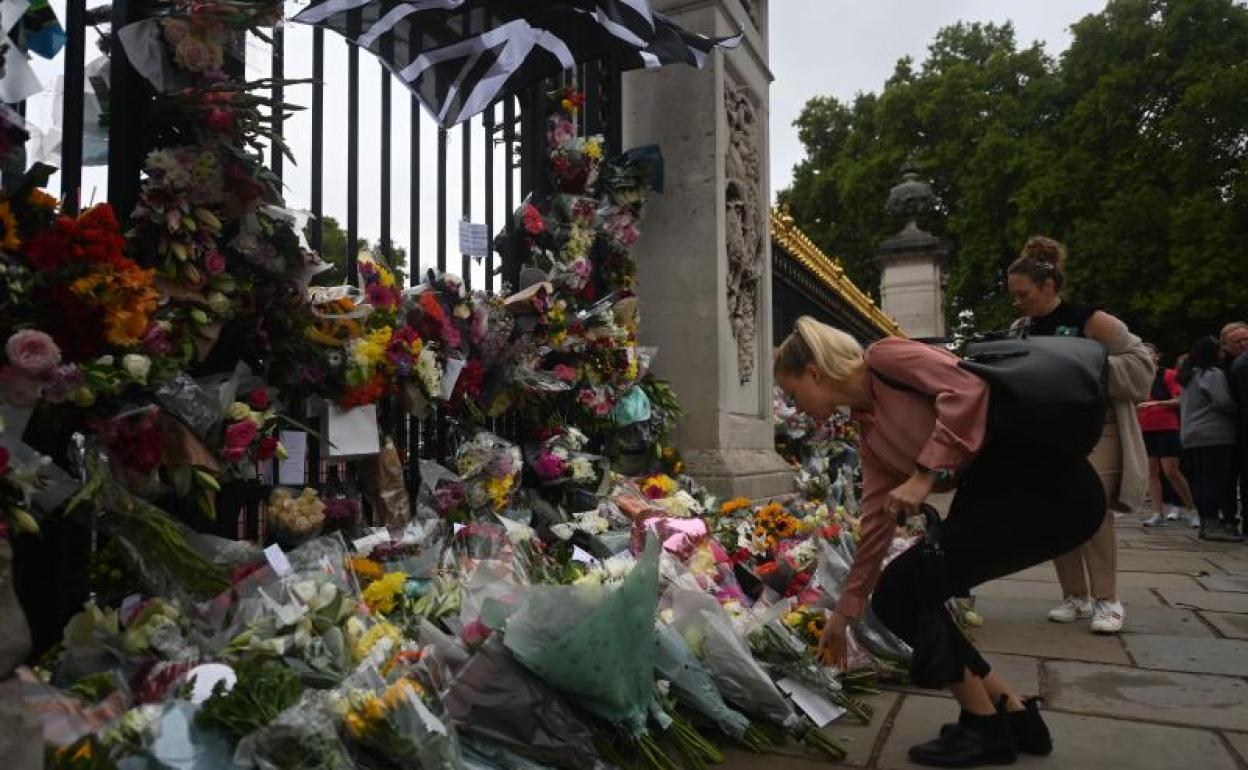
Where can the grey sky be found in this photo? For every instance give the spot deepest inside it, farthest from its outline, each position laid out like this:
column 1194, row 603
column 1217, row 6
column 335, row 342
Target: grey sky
column 843, row 47
column 818, row 47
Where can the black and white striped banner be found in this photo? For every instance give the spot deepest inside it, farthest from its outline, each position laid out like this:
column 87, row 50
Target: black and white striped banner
column 459, row 56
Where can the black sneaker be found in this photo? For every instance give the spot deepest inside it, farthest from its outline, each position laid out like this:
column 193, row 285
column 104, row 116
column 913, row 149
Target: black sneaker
column 973, row 742
column 1031, row 734
column 1214, row 532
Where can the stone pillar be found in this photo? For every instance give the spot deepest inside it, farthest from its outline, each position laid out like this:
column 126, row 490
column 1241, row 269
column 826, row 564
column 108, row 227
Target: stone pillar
column 704, row 259
column 912, row 262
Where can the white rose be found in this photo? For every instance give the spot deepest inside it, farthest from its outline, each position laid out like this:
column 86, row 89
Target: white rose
column 136, row 367
column 238, row 411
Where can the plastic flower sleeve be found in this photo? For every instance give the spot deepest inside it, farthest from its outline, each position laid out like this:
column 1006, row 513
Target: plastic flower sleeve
column 595, row 642
column 398, row 721
column 693, row 686
column 831, row 573
column 742, row 681
column 303, row 737
column 496, row 699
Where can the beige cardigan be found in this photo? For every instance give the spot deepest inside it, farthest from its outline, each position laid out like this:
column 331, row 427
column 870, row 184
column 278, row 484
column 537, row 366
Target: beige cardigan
column 1131, row 372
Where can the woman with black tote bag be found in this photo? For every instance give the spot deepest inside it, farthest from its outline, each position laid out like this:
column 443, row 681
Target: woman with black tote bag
column 923, row 419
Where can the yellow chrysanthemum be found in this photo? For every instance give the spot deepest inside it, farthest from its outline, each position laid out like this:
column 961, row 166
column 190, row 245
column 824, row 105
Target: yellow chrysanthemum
column 383, row 594
column 9, row 240
column 499, row 490
column 374, row 636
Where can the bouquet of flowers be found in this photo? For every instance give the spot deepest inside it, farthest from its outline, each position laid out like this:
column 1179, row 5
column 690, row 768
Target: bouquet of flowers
column 490, row 468
column 296, row 518
column 395, row 720
column 561, row 459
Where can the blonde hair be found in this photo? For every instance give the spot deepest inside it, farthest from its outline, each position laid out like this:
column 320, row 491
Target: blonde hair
column 1233, row 326
column 836, row 353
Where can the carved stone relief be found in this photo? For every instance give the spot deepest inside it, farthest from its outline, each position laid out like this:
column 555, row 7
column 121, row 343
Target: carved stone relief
column 744, row 221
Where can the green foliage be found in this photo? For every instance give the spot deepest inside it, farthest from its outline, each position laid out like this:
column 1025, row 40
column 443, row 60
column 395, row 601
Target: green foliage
column 334, row 251
column 261, row 693
column 1132, row 148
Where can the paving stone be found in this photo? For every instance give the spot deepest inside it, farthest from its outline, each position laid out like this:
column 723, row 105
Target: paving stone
column 1215, row 601
column 1044, row 574
column 1178, row 653
column 1229, row 624
column 1026, row 589
column 1188, row 562
column 1233, row 563
column 1020, row 672
column 1020, row 627
column 1164, row 621
column 1240, row 742
column 1232, row 583
column 1199, row 700
column 858, row 739
column 1079, row 741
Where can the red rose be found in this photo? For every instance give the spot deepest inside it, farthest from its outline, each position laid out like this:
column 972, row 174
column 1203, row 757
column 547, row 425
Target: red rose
column 241, row 434
column 259, row 399
column 220, row 120
column 266, row 448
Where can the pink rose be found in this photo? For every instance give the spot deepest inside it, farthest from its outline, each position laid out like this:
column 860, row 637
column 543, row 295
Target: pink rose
column 549, row 466
column 32, row 352
column 241, row 434
column 474, row 634
column 235, row 454
column 214, row 263
column 582, row 267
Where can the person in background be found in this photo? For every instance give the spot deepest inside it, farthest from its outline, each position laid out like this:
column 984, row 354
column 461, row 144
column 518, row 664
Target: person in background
column 1208, row 418
column 1159, row 419
column 1036, row 280
column 923, row 421
column 1234, row 344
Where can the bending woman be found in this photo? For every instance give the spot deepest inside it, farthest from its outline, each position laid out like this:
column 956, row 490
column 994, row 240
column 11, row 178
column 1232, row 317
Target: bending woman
column 923, row 423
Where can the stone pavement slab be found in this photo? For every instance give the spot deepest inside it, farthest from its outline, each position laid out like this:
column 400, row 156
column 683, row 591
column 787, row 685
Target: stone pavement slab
column 1080, row 742
column 1020, row 627
column 1230, row 625
column 1235, row 563
column 1198, row 700
column 1164, row 621
column 1215, row 601
column 1043, row 573
column 1177, row 653
column 1133, row 596
column 1020, row 672
column 1240, row 743
column 1188, row 562
column 1232, row 583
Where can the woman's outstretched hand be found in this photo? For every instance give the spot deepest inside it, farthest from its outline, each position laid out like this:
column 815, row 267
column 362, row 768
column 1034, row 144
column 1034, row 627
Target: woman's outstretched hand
column 834, row 644
column 907, row 498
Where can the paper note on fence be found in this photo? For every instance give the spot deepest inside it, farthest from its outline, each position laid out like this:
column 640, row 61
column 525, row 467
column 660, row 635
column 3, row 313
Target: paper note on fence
column 474, row 239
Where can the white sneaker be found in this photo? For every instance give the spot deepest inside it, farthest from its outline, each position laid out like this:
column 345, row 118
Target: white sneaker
column 1071, row 609
column 1173, row 513
column 1156, row 520
column 1193, row 520
column 1108, row 617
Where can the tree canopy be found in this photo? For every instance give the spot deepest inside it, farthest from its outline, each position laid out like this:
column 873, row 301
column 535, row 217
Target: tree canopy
column 1131, row 147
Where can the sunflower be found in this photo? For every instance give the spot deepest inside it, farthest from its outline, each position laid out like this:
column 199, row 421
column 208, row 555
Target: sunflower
column 41, row 200
column 9, row 240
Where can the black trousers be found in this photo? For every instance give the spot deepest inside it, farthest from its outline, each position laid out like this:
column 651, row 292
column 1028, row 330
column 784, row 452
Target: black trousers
column 1011, row 511
column 1211, row 472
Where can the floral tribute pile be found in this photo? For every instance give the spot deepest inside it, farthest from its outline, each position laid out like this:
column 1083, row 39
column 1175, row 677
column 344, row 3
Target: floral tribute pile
column 560, row 595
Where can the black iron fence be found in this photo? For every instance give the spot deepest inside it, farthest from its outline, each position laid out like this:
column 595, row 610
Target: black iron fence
column 403, row 205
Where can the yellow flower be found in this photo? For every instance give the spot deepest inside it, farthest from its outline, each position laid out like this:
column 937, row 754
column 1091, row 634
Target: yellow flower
column 383, row 594
column 9, row 241
column 365, row 569
column 374, row 636
column 794, row 619
column 734, row 505
column 499, row 490
column 593, row 148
